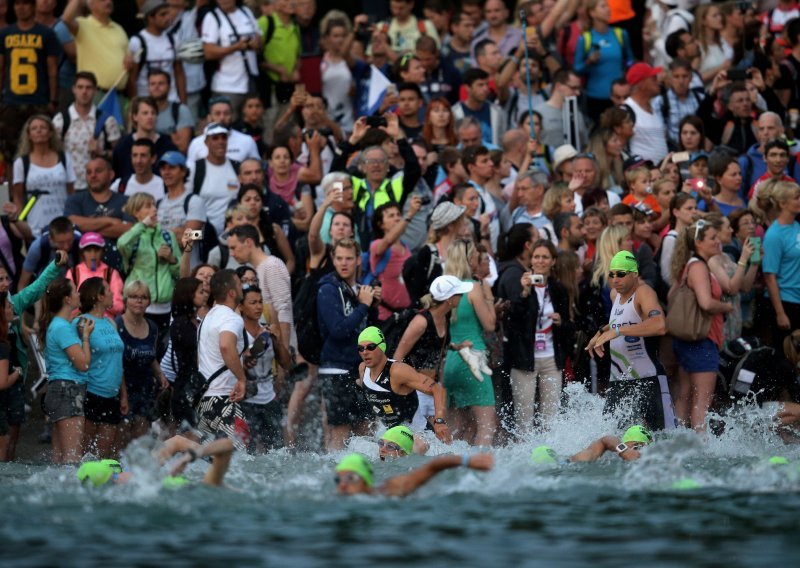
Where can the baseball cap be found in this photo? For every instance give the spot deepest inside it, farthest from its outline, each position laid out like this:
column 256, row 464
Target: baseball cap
column 640, row 71
column 214, row 128
column 447, row 286
column 445, row 213
column 153, row 5
column 91, row 240
column 173, row 158
column 697, row 156
column 562, row 154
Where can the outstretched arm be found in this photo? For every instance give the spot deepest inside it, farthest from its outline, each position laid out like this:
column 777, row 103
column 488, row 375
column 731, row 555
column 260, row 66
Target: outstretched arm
column 402, row 485
column 406, row 376
column 596, row 449
column 220, row 450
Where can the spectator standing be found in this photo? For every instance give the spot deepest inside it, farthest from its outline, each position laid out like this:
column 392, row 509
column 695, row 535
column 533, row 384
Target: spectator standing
column 174, row 119
column 185, row 33
column 492, row 118
column 404, row 29
column 240, row 146
column 441, row 78
column 46, row 15
column 506, row 36
column 144, row 114
column 180, row 209
column 281, row 51
column 92, row 246
column 649, row 132
column 566, row 83
column 154, row 48
column 679, row 100
column 143, row 180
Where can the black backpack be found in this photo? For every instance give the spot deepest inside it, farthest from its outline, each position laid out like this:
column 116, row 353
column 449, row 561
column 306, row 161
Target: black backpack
column 304, row 307
column 419, row 270
column 26, row 167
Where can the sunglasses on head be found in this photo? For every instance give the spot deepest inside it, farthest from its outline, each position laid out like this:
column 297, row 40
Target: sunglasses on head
column 367, row 347
column 617, row 274
column 701, row 224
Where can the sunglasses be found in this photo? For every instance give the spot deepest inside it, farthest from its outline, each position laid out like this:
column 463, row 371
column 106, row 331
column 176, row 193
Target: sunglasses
column 617, row 274
column 367, row 347
column 390, row 446
column 701, row 224
column 349, row 478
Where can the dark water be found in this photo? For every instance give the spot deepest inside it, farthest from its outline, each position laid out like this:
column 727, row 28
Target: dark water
column 281, row 510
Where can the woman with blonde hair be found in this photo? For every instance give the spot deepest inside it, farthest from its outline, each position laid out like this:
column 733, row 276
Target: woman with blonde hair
column 41, row 170
column 715, row 54
column 467, row 377
column 612, row 240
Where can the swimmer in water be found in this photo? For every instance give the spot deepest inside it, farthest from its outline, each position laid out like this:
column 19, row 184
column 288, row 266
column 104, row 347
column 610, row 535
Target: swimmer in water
column 354, row 474
column 218, row 452
column 400, row 441
column 634, row 439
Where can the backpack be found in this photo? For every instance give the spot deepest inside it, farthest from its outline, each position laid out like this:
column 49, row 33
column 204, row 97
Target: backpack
column 68, row 120
column 46, row 249
column 419, row 273
column 123, row 185
column 748, row 366
column 304, row 308
column 143, row 53
column 587, row 40
column 210, row 237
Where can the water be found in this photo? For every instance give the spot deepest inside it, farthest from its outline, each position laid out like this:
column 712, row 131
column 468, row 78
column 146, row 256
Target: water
column 281, row 509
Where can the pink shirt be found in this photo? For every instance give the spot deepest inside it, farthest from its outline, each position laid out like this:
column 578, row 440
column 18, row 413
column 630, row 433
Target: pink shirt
column 114, row 281
column 393, row 290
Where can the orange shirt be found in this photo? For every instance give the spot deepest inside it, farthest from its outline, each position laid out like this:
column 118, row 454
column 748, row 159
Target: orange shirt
column 621, row 10
column 650, row 200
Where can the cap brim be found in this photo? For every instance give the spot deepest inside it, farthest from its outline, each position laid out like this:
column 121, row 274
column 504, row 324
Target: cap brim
column 463, row 288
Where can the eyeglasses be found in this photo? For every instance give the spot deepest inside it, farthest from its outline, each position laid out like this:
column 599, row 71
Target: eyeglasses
column 367, row 347
column 370, row 161
column 701, row 224
column 349, row 478
column 390, row 446
column 617, row 274
column 140, row 298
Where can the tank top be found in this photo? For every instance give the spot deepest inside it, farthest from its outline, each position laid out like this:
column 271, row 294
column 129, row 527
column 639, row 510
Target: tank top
column 467, row 325
column 427, row 352
column 390, row 407
column 631, row 357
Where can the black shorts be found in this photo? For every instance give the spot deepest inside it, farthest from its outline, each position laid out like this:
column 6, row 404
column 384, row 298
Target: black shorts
column 265, row 424
column 641, row 401
column 102, row 410
column 15, row 404
column 344, row 403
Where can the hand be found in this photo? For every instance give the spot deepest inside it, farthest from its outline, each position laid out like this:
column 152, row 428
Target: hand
column 577, row 181
column 747, row 251
column 365, row 295
column 442, row 432
column 163, row 383
column 61, row 258
column 11, row 210
column 687, row 187
column 377, row 294
column 597, row 347
column 127, row 61
column 594, row 57
column 720, row 81
column 181, row 464
column 123, row 405
column 526, row 280
column 316, row 142
column 298, row 99
column 359, row 129
column 757, row 79
column 783, row 321
column 186, row 240
column 300, row 212
column 165, row 253
column 414, row 205
column 14, row 377
column 392, row 127
column 482, row 462
column 556, row 317
column 361, row 19
column 150, row 221
column 390, row 100
column 88, row 328
column 484, row 221
column 248, row 362
column 237, row 394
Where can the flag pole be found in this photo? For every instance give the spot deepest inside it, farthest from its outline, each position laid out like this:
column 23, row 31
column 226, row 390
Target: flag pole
column 121, row 75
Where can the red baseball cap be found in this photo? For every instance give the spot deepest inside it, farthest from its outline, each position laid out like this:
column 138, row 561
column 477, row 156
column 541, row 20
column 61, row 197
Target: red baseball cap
column 641, row 71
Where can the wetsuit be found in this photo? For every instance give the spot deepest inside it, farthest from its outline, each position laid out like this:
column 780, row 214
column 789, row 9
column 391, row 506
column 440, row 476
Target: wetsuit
column 638, row 392
column 390, row 407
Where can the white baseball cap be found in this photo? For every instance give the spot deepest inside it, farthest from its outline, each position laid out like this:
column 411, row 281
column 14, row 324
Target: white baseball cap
column 447, row 286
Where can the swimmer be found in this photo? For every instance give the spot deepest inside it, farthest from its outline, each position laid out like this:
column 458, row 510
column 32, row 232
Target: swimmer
column 354, row 474
column 390, row 386
column 218, row 452
column 634, row 439
column 400, row 441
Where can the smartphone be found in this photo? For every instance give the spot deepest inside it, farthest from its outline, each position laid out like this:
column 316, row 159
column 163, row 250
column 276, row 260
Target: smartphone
column 698, row 184
column 376, row 121
column 196, row 235
column 530, row 32
column 756, row 242
column 737, row 74
column 679, row 157
column 338, row 189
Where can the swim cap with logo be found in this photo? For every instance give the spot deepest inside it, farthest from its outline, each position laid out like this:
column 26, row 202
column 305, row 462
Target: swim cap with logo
column 544, row 455
column 359, row 465
column 402, row 436
column 624, row 260
column 96, row 472
column 638, row 434
column 115, row 466
column 373, row 335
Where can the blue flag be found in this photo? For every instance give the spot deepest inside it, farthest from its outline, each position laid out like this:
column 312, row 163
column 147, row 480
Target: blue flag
column 109, row 106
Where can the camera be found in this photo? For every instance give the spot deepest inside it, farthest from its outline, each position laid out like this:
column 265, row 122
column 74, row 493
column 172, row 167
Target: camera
column 324, row 132
column 537, row 279
column 424, row 199
column 376, row 121
column 196, row 235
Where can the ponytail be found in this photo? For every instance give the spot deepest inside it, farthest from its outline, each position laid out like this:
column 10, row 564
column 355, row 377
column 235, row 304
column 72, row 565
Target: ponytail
column 52, row 302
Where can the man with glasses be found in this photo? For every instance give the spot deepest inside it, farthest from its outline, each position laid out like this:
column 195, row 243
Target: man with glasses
column 565, row 84
column 390, row 386
column 639, row 390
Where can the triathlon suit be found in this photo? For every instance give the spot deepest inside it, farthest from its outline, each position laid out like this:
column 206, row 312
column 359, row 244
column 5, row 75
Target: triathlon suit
column 638, row 392
column 428, row 354
column 392, row 408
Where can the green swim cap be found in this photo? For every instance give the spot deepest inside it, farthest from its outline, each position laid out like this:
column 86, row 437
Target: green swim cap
column 638, row 434
column 624, row 260
column 778, row 460
column 402, row 436
column 374, row 335
column 686, row 483
column 115, row 466
column 544, row 455
column 174, row 481
column 359, row 465
column 96, row 472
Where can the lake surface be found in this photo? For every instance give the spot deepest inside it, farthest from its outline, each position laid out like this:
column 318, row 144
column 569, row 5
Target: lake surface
column 281, row 509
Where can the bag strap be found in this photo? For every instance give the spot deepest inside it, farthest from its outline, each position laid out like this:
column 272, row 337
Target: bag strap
column 238, row 38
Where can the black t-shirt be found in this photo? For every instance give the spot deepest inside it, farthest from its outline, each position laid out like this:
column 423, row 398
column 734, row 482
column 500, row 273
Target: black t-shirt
column 25, row 56
column 122, row 154
column 790, row 79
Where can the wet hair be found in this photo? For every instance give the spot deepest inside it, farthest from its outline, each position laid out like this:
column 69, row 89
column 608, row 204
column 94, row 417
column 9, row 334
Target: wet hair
column 511, row 245
column 183, row 297
column 90, row 291
column 221, row 283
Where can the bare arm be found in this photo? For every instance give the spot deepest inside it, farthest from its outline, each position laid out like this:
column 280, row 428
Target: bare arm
column 230, row 355
column 483, row 302
column 394, row 234
column 402, row 485
column 699, row 281
column 315, row 244
column 312, row 173
column 596, row 449
column 80, row 355
column 404, row 377
column 71, row 12
column 771, row 281
column 410, row 337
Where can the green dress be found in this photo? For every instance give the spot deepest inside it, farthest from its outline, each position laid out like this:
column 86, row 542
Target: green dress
column 463, row 389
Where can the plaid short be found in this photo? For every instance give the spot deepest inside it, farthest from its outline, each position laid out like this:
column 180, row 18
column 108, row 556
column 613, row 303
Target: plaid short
column 218, row 417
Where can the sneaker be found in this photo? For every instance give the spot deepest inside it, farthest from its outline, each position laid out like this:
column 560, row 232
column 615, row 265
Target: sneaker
column 484, row 360
column 471, row 358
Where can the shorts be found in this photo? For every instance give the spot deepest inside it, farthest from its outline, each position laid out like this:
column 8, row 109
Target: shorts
column 463, row 389
column 15, row 404
column 425, row 409
column 102, row 409
column 642, row 401
column 265, row 424
column 696, row 356
column 344, row 403
column 64, row 399
column 218, row 417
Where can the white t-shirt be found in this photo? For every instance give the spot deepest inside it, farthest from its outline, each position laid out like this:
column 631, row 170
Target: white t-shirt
column 160, row 55
column 240, row 147
column 337, row 81
column 544, row 325
column 171, row 213
column 649, row 134
column 612, row 197
column 183, row 31
column 233, row 75
column 209, row 357
column 219, row 188
column 154, row 187
column 54, row 181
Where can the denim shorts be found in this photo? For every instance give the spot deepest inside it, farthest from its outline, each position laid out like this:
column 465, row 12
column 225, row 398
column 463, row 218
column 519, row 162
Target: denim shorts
column 64, row 399
column 696, row 356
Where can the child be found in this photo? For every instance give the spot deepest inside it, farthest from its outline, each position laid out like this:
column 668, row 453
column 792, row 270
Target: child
column 92, row 247
column 638, row 180
column 663, row 190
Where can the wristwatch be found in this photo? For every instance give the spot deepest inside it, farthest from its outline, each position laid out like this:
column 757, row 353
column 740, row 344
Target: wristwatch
column 440, row 421
column 621, row 448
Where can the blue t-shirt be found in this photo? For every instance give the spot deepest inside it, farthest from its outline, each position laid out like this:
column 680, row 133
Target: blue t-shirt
column 782, row 258
column 613, row 60
column 105, row 370
column 66, row 68
column 484, row 116
column 60, row 335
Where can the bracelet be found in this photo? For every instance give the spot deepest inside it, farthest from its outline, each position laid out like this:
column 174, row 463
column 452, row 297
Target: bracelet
column 465, row 460
column 742, row 264
column 618, row 332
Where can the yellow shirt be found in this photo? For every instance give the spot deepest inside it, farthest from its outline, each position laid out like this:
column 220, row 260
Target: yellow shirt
column 101, row 50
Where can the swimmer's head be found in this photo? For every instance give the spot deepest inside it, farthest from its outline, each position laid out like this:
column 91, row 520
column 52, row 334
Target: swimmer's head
column 544, row 455
column 778, row 460
column 638, row 435
column 174, row 481
column 396, row 442
column 353, row 475
column 370, row 339
column 98, row 472
column 685, row 483
column 624, row 261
